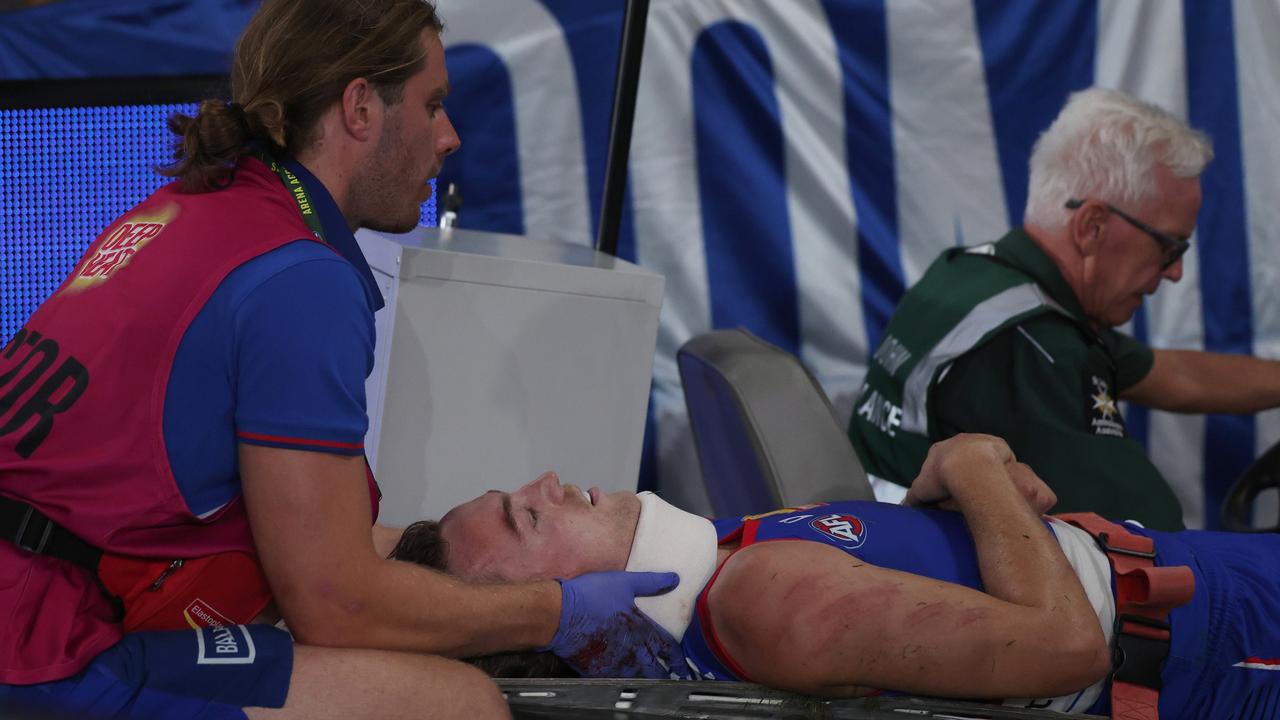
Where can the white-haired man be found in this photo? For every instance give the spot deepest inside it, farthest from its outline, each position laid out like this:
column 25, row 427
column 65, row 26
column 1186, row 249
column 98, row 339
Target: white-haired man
column 1015, row 338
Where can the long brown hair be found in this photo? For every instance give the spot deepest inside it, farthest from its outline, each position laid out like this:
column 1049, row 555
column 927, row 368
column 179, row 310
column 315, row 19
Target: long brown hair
column 293, row 61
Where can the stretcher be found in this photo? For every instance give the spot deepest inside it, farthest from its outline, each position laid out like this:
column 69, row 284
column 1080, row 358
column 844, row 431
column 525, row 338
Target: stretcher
column 642, row 699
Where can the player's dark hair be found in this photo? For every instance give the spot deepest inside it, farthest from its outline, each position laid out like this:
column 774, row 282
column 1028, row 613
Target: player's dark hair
column 422, row 544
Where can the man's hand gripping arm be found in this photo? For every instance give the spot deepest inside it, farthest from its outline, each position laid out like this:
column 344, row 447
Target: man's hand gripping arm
column 808, row 617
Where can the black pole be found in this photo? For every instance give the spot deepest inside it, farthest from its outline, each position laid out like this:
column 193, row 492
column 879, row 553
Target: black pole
column 626, row 84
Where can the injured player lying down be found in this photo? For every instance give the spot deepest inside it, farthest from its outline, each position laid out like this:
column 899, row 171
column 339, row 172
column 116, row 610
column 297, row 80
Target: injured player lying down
column 840, row 599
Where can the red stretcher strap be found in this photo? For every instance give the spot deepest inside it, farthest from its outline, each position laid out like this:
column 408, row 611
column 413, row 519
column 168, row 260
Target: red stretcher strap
column 1144, row 596
column 1134, row 702
column 1156, row 588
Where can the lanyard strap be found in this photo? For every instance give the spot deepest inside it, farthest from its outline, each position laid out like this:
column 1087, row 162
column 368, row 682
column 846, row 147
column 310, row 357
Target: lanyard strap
column 297, row 191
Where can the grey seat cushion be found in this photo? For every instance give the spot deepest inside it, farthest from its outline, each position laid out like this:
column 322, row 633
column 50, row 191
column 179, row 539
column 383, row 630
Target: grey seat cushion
column 765, row 432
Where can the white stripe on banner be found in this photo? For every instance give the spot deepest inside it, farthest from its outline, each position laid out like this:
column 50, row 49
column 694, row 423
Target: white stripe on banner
column 548, row 112
column 1141, row 51
column 668, row 233
column 1257, row 25
column 819, row 198
column 948, row 171
column 664, row 182
column 819, row 201
column 668, row 224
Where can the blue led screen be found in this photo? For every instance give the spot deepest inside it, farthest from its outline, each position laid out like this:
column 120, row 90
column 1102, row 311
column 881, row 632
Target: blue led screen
column 65, row 174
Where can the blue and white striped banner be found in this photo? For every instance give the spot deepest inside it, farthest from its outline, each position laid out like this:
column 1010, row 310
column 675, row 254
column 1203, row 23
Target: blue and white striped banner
column 798, row 163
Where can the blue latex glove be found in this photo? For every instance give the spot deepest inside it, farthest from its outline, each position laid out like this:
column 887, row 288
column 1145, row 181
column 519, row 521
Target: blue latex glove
column 603, row 634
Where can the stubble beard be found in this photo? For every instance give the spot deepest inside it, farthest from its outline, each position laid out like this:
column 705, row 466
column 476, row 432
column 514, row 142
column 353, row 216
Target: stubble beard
column 375, row 191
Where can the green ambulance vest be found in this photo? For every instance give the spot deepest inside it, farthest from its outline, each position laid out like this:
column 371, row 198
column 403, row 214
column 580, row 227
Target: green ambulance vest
column 992, row 340
column 958, row 305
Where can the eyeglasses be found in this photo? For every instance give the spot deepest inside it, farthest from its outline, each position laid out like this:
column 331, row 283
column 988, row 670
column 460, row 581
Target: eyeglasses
column 1172, row 247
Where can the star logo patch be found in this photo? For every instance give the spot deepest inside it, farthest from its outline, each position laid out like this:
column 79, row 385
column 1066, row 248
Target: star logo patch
column 1101, row 414
column 1103, row 404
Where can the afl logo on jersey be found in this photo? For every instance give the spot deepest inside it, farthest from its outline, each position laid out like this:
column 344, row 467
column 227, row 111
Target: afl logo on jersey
column 846, row 531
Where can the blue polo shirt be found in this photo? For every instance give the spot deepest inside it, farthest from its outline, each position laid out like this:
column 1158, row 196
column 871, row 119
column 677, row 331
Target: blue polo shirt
column 278, row 356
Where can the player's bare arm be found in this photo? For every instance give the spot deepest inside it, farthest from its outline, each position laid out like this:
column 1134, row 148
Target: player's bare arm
column 822, row 622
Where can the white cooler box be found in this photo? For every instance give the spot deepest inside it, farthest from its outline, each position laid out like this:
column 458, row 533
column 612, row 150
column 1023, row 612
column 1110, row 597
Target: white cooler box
column 500, row 357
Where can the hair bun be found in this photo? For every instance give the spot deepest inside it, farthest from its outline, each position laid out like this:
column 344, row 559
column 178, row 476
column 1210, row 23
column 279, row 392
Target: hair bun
column 239, row 115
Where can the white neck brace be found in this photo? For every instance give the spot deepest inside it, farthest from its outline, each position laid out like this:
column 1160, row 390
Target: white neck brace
column 670, row 539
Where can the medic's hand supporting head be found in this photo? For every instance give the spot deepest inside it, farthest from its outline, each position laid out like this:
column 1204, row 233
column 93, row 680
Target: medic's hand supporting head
column 603, row 634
